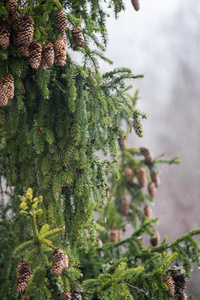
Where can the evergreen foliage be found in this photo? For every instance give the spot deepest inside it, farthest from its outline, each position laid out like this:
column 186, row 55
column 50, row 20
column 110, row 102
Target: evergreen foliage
column 62, row 116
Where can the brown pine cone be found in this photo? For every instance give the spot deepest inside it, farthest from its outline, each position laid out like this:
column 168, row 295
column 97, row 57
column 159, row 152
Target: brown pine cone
column 60, row 52
column 47, row 54
column 23, row 52
column 25, row 27
column 155, row 241
column 152, row 189
column 148, row 212
column 77, row 36
column 61, row 20
column 35, row 51
column 3, row 97
column 136, row 4
column 4, row 34
column 121, row 143
column 23, row 276
column 147, row 155
column 58, row 262
column 170, row 283
column 155, row 178
column 113, row 235
column 7, row 84
column 12, row 5
column 141, row 176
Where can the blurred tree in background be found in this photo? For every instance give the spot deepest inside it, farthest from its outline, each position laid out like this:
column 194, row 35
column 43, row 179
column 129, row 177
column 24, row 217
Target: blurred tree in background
column 57, row 118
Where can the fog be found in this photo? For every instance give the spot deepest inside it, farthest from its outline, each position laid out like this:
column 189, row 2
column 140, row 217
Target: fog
column 162, row 42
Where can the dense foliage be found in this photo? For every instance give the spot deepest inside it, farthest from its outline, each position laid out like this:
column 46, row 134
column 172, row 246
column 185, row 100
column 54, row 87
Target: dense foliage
column 60, row 141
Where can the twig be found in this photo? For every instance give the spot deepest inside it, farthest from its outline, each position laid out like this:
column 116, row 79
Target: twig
column 134, row 287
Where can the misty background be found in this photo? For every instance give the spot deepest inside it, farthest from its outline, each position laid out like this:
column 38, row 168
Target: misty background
column 162, row 41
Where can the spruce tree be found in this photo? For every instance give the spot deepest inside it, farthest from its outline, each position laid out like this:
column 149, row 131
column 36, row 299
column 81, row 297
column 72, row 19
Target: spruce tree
column 63, row 156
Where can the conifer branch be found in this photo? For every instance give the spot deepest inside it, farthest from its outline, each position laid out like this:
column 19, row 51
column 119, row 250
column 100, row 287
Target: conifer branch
column 134, row 287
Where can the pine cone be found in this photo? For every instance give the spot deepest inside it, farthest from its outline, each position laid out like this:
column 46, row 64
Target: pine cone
column 155, row 178
column 152, row 189
column 25, row 27
column 155, row 241
column 125, row 206
column 182, row 296
column 141, row 176
column 121, row 143
column 76, row 296
column 58, row 262
column 12, row 5
column 47, row 54
column 77, row 36
column 3, row 97
column 4, row 34
column 23, row 52
column 7, row 84
column 35, row 51
column 23, row 276
column 147, row 154
column 61, row 20
column 148, row 212
column 113, row 235
column 136, row 4
column 66, row 296
column 60, row 52
column 170, row 283
column 179, row 280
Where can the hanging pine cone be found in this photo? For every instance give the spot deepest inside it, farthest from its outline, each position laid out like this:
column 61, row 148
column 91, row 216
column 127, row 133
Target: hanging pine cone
column 4, row 34
column 141, row 176
column 66, row 296
column 136, row 4
column 121, row 143
column 148, row 211
column 155, row 241
column 129, row 173
column 170, row 283
column 35, row 51
column 3, row 97
column 182, row 296
column 23, row 276
column 12, row 5
column 113, row 235
column 152, row 189
column 7, row 84
column 58, row 262
column 155, row 178
column 147, row 155
column 61, row 20
column 25, row 27
column 60, row 52
column 47, row 54
column 179, row 280
column 23, row 52
column 125, row 206
column 77, row 36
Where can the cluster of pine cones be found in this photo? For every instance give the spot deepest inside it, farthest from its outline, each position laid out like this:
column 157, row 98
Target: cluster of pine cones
column 20, row 30
column 176, row 284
